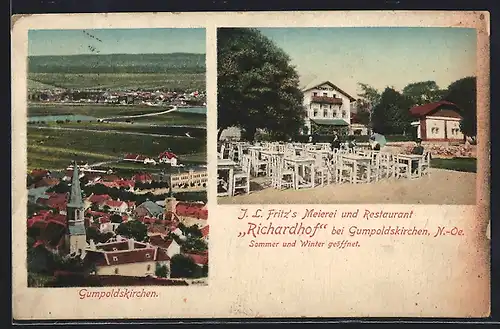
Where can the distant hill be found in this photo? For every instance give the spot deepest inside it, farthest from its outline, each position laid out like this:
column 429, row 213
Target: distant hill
column 118, row 63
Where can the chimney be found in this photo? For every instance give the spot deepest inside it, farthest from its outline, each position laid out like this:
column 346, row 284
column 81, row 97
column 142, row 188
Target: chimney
column 130, row 244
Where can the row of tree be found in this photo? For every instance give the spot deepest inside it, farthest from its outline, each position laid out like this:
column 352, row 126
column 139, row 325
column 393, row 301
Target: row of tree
column 258, row 88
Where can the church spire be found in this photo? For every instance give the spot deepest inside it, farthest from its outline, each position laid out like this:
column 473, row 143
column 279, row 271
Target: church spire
column 75, row 197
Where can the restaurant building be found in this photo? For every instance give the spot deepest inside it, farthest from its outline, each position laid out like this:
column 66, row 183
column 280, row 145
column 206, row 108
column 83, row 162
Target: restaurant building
column 327, row 108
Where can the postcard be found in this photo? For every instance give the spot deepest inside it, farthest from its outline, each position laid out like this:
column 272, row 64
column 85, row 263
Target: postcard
column 251, row 165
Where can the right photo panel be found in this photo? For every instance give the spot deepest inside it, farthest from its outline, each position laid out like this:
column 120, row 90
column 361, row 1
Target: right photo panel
column 346, row 115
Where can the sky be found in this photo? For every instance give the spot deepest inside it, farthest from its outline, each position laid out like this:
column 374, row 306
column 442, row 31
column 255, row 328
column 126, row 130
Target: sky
column 116, row 41
column 378, row 56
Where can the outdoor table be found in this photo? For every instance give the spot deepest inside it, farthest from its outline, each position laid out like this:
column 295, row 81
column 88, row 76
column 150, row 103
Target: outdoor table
column 409, row 159
column 222, row 166
column 299, row 163
column 357, row 161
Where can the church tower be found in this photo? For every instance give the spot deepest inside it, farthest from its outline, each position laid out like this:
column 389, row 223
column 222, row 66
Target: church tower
column 76, row 232
column 170, row 203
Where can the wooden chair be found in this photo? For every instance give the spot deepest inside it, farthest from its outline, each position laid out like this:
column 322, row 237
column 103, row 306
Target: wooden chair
column 281, row 177
column 344, row 172
column 241, row 178
column 401, row 169
column 321, row 172
column 426, row 164
column 386, row 165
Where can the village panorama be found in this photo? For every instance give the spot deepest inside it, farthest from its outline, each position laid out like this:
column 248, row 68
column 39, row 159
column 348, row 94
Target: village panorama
column 117, row 169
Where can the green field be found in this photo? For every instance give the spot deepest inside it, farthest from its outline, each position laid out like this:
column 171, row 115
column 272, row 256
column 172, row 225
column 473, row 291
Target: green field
column 119, row 81
column 55, row 149
column 457, row 164
column 103, row 111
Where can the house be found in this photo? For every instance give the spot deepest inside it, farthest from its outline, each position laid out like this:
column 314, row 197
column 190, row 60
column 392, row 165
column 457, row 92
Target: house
column 55, row 200
column 126, row 258
column 356, row 127
column 144, row 178
column 148, row 209
column 171, row 247
column 40, row 173
column 168, row 157
column 438, row 121
column 115, row 205
column 108, row 227
column 327, row 108
column 47, row 181
column 98, row 199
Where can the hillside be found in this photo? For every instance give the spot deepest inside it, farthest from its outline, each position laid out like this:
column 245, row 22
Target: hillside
column 118, row 63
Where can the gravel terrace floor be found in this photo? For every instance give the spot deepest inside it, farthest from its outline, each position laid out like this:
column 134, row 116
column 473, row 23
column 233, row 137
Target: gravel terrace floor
column 440, row 187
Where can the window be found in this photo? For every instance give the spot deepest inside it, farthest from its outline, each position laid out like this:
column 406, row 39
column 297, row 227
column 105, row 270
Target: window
column 315, row 112
column 149, row 268
column 325, row 94
column 344, row 114
column 334, row 95
column 148, row 256
column 116, row 270
column 115, row 249
column 325, row 113
column 315, row 94
column 115, row 259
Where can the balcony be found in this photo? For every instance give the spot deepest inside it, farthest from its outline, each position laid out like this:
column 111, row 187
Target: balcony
column 326, row 100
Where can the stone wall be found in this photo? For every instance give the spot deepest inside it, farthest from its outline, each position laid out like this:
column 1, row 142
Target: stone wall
column 438, row 150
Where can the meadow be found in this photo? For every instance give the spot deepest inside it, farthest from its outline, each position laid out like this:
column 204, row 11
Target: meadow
column 55, row 149
column 118, row 81
column 109, row 110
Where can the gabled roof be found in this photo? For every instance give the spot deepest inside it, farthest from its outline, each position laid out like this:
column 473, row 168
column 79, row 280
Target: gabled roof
column 152, row 208
column 352, row 99
column 426, row 109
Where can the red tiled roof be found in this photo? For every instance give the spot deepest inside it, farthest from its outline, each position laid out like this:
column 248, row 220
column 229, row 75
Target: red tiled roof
column 119, row 245
column 131, row 156
column 99, row 198
column 159, row 241
column 46, row 181
column 426, row 109
column 110, row 178
column 39, row 172
column 194, row 210
column 130, row 256
column 115, row 203
column 168, row 155
column 124, row 183
column 198, row 258
column 143, row 177
column 205, row 231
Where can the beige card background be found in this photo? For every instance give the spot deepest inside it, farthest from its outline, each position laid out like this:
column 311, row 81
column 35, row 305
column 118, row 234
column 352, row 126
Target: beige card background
column 386, row 276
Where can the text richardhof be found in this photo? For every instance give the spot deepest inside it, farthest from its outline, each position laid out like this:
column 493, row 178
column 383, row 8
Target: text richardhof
column 124, row 293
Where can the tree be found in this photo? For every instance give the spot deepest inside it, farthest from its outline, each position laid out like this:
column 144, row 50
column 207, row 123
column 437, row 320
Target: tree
column 115, row 218
column 391, row 115
column 463, row 93
column 368, row 95
column 161, row 271
column 257, row 85
column 62, row 187
column 182, row 266
column 423, row 92
column 133, row 229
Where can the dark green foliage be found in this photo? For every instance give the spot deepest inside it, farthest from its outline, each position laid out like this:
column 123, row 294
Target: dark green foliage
column 161, row 271
column 118, row 63
column 184, row 267
column 463, row 93
column 257, row 86
column 133, row 229
column 391, row 115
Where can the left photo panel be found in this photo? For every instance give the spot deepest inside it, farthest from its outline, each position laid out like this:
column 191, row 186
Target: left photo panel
column 117, row 157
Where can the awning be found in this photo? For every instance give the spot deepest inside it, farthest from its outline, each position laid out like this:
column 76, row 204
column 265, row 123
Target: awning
column 330, row 122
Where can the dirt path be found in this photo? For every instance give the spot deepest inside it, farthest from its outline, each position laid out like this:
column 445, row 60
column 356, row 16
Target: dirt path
column 440, row 187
